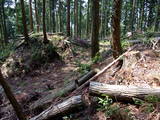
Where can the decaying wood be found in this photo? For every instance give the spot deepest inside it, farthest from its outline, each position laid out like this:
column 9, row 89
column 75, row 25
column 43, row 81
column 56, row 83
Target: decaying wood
column 12, row 98
column 131, row 59
column 102, row 71
column 81, row 43
column 44, row 102
column 122, row 92
column 59, row 109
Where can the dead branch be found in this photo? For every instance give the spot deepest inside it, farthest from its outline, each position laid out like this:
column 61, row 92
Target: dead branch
column 102, row 71
column 44, row 102
column 122, row 92
column 59, row 109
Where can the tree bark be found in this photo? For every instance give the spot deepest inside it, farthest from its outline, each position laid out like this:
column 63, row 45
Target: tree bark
column 68, row 18
column 157, row 19
column 116, row 44
column 45, row 39
column 31, row 16
column 53, row 15
column 75, row 18
column 80, row 18
column 88, row 19
column 4, row 23
column 25, row 32
column 11, row 98
column 123, row 92
column 36, row 14
column 132, row 20
column 70, row 87
column 95, row 28
column 60, row 109
column 60, row 16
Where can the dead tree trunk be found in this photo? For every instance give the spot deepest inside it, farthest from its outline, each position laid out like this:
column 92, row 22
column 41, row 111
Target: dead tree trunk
column 43, row 103
column 122, row 92
column 11, row 98
column 60, row 109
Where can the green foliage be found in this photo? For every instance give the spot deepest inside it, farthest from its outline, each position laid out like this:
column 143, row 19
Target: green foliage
column 105, row 105
column 42, row 54
column 138, row 101
column 83, row 68
column 125, row 44
column 148, row 108
column 97, row 58
column 6, row 51
column 152, row 99
column 149, row 34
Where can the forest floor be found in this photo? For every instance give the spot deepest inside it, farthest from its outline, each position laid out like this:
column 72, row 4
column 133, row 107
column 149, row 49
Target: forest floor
column 142, row 67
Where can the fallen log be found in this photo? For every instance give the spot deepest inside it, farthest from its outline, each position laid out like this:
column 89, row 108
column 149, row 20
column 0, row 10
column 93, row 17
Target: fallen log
column 103, row 70
column 122, row 92
column 44, row 102
column 60, row 109
column 81, row 43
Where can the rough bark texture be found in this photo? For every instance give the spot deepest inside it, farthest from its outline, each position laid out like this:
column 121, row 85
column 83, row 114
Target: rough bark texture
column 60, row 109
column 53, row 15
column 4, row 22
column 116, row 44
column 31, row 16
column 95, row 28
column 68, row 18
column 25, row 32
column 45, row 40
column 123, row 92
column 72, row 86
column 37, row 18
column 88, row 19
column 11, row 98
column 75, row 18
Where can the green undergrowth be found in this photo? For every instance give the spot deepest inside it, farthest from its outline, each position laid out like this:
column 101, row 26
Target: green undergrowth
column 5, row 51
column 113, row 110
column 26, row 57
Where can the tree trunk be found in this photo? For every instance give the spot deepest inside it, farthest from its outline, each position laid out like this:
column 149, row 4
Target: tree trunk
column 31, row 16
column 68, row 18
column 122, row 92
column 132, row 19
column 36, row 14
column 80, row 18
column 95, row 28
column 25, row 32
column 75, row 18
column 53, row 15
column 150, row 14
column 142, row 14
column 4, row 23
column 88, row 19
column 43, row 103
column 157, row 19
column 116, row 44
column 60, row 16
column 11, row 98
column 60, row 109
column 45, row 40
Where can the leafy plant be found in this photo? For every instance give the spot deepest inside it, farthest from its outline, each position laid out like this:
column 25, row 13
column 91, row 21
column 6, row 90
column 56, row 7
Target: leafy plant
column 138, row 101
column 97, row 58
column 83, row 68
column 6, row 51
column 148, row 108
column 152, row 99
